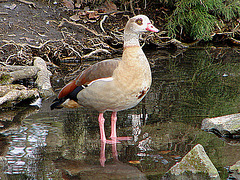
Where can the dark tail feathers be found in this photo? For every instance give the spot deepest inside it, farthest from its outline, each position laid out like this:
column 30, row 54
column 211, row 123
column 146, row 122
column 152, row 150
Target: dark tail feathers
column 56, row 103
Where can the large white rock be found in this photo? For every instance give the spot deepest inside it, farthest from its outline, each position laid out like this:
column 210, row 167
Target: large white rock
column 229, row 124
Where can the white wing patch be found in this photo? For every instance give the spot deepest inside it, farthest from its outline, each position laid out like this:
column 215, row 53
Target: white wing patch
column 101, row 79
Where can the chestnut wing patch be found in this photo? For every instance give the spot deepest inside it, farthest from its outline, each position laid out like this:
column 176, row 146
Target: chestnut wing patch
column 103, row 69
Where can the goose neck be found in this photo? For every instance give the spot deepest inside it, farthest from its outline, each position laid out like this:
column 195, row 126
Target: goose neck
column 131, row 39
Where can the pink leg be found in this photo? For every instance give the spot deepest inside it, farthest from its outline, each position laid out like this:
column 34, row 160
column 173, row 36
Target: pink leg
column 113, row 129
column 101, row 121
column 113, row 126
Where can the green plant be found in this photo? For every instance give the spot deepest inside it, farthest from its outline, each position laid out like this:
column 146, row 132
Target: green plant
column 199, row 18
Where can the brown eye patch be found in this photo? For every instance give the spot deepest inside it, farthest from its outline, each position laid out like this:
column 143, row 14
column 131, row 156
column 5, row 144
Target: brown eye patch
column 139, row 21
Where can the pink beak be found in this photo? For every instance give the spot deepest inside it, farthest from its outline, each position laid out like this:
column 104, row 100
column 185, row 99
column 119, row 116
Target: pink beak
column 150, row 27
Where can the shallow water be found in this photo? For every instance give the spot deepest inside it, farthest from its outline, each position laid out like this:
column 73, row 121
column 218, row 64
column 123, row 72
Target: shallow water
column 188, row 86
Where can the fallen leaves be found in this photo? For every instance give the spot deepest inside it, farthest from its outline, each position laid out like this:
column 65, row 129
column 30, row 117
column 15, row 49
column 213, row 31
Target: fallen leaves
column 91, row 15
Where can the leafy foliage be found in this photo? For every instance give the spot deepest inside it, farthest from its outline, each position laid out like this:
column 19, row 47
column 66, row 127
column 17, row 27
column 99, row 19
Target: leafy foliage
column 199, row 18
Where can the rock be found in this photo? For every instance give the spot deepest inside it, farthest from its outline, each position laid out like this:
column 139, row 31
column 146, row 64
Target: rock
column 194, row 165
column 225, row 125
column 43, row 78
column 234, row 171
column 235, row 167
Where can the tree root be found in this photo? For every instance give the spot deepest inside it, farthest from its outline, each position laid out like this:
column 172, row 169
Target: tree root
column 17, row 73
column 16, row 93
column 91, row 54
column 43, row 78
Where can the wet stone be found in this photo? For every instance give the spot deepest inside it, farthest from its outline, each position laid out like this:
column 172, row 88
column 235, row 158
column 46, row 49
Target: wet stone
column 223, row 125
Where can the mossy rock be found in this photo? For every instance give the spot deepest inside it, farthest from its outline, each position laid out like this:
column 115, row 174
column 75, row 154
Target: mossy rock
column 196, row 163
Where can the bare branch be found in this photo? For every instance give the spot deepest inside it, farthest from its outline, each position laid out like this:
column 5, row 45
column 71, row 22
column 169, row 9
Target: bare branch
column 95, row 52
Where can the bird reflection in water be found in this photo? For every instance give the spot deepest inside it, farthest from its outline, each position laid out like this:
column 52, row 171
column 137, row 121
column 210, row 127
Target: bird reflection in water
column 77, row 169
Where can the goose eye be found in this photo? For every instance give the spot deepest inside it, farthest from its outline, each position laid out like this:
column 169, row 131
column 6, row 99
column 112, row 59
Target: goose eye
column 139, row 21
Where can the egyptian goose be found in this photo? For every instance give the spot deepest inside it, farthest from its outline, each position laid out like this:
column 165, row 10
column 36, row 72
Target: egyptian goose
column 113, row 85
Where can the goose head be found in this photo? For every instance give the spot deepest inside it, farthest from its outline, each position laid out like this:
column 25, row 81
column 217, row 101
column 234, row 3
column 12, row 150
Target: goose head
column 139, row 24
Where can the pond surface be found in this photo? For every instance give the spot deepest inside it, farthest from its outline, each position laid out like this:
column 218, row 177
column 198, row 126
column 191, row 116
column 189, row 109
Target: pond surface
column 188, row 86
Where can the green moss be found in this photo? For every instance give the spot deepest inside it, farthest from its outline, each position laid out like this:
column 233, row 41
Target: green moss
column 4, row 78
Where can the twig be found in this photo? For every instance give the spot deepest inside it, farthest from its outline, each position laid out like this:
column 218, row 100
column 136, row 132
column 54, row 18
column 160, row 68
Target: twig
column 101, row 23
column 10, row 57
column 29, row 45
column 235, row 41
column 95, row 52
column 70, row 47
column 42, row 35
column 28, row 3
column 41, row 45
column 131, row 7
column 4, row 64
column 65, row 22
column 9, row 43
column 47, row 57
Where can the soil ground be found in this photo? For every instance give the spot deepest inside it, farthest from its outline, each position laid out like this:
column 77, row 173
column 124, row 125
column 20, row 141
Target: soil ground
column 24, row 28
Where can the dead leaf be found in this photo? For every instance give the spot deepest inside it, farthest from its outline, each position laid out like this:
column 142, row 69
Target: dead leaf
column 92, row 14
column 134, row 162
column 86, row 8
column 107, row 7
column 82, row 13
column 164, row 152
column 75, row 17
column 68, row 4
column 78, row 4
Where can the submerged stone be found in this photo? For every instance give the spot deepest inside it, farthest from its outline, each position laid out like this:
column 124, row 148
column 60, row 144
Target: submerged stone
column 194, row 165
